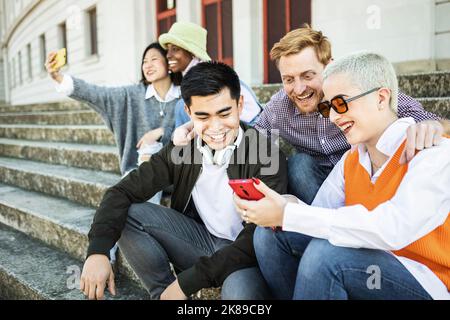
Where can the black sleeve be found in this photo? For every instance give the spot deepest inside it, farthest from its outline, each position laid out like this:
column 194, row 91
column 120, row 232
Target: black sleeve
column 212, row 271
column 137, row 187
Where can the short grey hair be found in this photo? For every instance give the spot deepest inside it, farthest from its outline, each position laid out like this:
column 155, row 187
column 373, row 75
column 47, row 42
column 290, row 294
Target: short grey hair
column 367, row 70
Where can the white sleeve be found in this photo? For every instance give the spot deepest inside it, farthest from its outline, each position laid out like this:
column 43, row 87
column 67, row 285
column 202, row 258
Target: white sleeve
column 66, row 86
column 251, row 108
column 315, row 220
column 332, row 192
column 420, row 205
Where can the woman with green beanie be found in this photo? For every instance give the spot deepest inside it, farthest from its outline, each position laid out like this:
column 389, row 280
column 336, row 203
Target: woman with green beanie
column 186, row 46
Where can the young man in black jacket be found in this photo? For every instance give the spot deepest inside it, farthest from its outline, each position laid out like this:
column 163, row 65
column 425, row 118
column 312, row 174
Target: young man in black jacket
column 202, row 234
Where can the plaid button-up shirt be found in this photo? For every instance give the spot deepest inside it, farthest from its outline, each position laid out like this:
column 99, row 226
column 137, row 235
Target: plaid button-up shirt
column 318, row 136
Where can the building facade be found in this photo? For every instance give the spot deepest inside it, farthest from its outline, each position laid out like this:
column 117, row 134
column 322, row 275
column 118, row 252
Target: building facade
column 105, row 38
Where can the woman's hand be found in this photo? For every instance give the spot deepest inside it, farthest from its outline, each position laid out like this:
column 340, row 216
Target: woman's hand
column 50, row 66
column 267, row 212
column 150, row 137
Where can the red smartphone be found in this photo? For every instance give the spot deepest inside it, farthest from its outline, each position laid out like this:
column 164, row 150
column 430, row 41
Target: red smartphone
column 245, row 189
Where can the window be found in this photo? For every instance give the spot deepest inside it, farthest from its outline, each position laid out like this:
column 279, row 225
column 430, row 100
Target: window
column 166, row 15
column 30, row 62
column 218, row 20
column 280, row 17
column 12, row 73
column 93, row 36
column 43, row 51
column 62, row 38
column 19, row 58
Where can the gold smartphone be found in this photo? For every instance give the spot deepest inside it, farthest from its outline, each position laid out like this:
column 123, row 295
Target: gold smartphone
column 60, row 59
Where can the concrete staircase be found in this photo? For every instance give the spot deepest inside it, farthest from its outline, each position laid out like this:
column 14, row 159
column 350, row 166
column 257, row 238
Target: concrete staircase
column 56, row 161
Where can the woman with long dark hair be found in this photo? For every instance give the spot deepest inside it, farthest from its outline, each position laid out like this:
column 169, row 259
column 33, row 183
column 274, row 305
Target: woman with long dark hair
column 139, row 115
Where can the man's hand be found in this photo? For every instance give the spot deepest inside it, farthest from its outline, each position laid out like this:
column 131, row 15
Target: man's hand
column 419, row 136
column 173, row 292
column 183, row 134
column 150, row 137
column 267, row 212
column 97, row 272
column 50, row 66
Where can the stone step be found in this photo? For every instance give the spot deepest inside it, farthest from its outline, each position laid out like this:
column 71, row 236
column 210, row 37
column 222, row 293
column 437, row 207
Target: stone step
column 71, row 105
column 79, row 185
column 63, row 225
column 81, row 117
column 95, row 157
column 266, row 91
column 57, row 222
column 77, row 134
column 423, row 85
column 32, row 270
column 439, row 106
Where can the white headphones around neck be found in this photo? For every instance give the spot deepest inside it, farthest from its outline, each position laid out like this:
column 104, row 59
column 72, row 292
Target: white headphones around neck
column 220, row 157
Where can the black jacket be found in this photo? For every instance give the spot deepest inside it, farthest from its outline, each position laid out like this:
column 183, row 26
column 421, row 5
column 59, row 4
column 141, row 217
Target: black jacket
column 163, row 170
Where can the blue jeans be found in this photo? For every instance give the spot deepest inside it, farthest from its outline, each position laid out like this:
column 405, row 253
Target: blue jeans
column 328, row 272
column 279, row 254
column 155, row 236
column 296, row 266
column 305, row 176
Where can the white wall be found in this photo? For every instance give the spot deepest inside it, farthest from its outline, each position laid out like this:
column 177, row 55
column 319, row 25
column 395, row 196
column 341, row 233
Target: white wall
column 124, row 29
column 248, row 46
column 402, row 30
column 442, row 37
column 2, row 82
column 189, row 11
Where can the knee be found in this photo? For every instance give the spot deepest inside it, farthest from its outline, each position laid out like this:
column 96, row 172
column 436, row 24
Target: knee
column 299, row 162
column 245, row 284
column 320, row 257
column 142, row 213
column 136, row 210
column 263, row 242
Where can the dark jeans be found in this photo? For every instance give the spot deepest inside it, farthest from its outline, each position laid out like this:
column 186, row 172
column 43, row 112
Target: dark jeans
column 154, row 236
column 300, row 267
column 305, row 176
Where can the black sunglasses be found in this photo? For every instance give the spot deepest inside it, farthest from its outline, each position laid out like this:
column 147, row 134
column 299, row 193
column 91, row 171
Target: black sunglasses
column 339, row 103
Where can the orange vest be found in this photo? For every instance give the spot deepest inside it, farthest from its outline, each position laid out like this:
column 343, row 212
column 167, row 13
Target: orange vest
column 432, row 250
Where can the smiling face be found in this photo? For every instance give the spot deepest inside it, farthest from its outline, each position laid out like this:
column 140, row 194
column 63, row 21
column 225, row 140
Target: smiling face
column 367, row 117
column 154, row 66
column 301, row 74
column 178, row 58
column 216, row 118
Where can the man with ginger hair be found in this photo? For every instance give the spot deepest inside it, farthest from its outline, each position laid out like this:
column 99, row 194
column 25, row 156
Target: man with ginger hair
column 301, row 56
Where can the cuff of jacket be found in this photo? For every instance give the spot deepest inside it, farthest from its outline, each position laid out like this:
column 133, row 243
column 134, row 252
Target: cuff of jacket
column 99, row 246
column 191, row 281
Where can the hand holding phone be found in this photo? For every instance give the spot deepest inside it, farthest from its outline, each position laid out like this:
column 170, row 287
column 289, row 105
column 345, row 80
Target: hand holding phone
column 60, row 59
column 245, row 189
